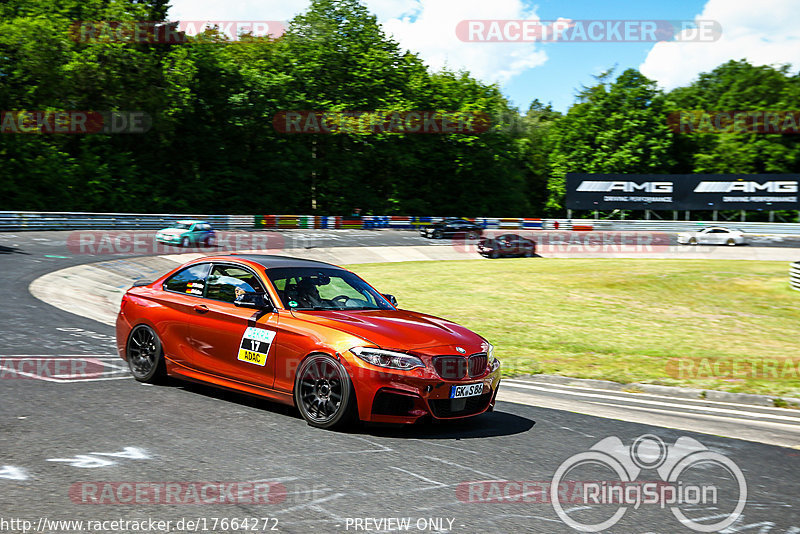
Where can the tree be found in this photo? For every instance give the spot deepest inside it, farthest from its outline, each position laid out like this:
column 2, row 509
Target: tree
column 617, row 127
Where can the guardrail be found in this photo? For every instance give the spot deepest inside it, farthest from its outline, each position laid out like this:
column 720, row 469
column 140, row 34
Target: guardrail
column 26, row 220
column 794, row 276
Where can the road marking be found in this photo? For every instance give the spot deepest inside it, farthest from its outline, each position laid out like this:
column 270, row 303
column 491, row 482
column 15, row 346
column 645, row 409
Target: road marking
column 448, row 462
column 13, row 473
column 134, row 453
column 84, row 461
column 512, row 382
column 710, row 409
column 702, row 415
column 313, row 503
column 428, row 480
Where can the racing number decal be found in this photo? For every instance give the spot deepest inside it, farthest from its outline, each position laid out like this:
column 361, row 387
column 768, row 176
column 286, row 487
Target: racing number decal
column 255, row 345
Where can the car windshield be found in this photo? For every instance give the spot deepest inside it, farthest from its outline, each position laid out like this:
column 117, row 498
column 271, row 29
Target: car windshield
column 182, row 226
column 308, row 288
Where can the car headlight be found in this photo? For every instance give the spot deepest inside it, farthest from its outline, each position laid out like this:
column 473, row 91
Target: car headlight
column 387, row 358
column 493, row 362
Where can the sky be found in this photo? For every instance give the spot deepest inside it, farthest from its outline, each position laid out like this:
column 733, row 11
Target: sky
column 713, row 32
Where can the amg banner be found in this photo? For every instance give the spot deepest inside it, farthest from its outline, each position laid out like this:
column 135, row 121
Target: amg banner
column 683, row 191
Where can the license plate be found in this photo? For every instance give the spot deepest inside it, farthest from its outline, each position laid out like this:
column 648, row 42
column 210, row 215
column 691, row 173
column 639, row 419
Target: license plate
column 468, row 390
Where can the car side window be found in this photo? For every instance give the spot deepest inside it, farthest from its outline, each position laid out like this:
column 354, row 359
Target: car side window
column 190, row 280
column 225, row 280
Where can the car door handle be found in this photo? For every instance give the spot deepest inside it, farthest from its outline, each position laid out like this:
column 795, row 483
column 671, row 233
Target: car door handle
column 200, row 308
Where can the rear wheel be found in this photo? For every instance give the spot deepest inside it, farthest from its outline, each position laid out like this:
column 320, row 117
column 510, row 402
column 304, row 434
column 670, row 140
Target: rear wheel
column 324, row 393
column 145, row 355
column 731, row 242
column 472, row 235
column 529, row 253
column 210, row 241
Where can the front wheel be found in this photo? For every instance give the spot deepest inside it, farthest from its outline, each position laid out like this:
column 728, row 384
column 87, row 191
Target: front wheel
column 324, row 393
column 472, row 235
column 692, row 240
column 145, row 355
column 437, row 234
column 185, row 242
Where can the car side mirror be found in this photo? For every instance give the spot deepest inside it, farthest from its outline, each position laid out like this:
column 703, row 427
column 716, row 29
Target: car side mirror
column 251, row 299
column 391, row 299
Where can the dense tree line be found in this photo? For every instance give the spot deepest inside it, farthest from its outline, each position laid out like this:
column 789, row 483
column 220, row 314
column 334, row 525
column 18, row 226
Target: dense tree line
column 212, row 146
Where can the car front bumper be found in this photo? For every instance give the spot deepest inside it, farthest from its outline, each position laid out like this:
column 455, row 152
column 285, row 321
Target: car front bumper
column 388, row 396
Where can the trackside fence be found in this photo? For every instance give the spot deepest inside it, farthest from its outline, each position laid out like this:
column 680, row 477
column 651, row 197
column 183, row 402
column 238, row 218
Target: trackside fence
column 27, row 220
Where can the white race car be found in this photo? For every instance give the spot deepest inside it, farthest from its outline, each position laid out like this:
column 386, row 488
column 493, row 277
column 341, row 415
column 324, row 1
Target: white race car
column 713, row 235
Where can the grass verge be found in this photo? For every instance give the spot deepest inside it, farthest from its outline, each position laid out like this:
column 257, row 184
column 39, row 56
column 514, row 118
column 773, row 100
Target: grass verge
column 626, row 320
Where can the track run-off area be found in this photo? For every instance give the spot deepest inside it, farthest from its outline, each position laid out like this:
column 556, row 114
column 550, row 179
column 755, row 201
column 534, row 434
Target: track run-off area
column 106, row 448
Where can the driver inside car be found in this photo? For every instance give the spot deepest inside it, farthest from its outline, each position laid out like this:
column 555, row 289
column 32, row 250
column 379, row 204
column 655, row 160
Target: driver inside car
column 305, row 293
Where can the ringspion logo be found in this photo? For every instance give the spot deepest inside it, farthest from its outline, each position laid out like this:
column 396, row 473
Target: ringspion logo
column 673, row 463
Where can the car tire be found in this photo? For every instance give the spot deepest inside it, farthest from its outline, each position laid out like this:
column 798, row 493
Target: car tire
column 210, row 241
column 494, row 255
column 145, row 355
column 437, row 234
column 731, row 242
column 319, row 381
column 692, row 240
column 473, row 235
column 185, row 242
column 528, row 253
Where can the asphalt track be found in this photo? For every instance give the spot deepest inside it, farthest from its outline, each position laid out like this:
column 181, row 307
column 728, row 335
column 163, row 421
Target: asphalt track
column 60, row 440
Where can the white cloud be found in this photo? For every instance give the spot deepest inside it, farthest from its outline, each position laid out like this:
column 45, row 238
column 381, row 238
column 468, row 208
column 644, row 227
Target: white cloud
column 241, row 10
column 429, row 28
column 764, row 32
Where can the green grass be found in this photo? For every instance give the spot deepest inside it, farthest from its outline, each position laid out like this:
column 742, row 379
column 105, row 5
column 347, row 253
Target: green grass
column 612, row 319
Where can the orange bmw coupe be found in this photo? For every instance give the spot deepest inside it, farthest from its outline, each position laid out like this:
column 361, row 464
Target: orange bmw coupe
column 304, row 333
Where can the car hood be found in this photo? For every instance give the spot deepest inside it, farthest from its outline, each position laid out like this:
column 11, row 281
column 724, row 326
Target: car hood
column 397, row 329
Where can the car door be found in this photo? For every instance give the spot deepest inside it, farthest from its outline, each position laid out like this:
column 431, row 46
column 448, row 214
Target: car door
column 714, row 236
column 179, row 295
column 229, row 341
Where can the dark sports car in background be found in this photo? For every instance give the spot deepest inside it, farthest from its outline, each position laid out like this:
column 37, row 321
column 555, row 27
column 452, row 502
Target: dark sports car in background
column 506, row 245
column 305, row 333
column 452, row 227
